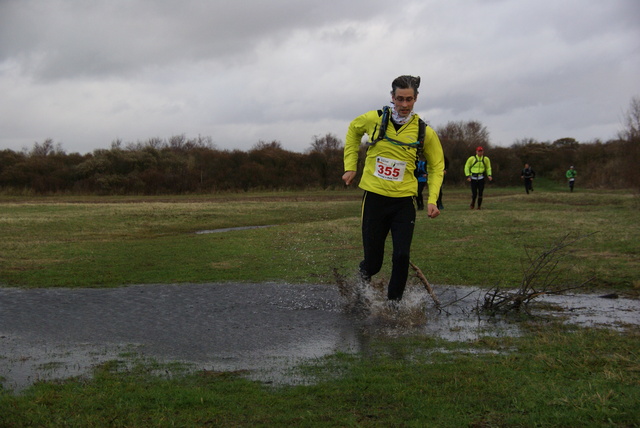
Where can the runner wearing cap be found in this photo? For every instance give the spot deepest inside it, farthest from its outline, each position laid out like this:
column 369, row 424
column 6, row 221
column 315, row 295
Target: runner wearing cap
column 476, row 169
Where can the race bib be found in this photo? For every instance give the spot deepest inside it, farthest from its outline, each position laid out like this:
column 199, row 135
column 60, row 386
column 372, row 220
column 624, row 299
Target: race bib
column 390, row 169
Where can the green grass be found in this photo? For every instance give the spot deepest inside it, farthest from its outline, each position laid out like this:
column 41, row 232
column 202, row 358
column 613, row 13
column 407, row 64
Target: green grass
column 65, row 242
column 56, row 243
column 554, row 375
column 491, row 246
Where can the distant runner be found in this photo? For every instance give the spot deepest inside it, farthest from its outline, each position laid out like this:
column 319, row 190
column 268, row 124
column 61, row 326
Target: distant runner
column 476, row 169
column 527, row 175
column 571, row 176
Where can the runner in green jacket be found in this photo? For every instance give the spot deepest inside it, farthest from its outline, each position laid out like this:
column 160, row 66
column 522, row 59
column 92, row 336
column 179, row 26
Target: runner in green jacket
column 571, row 176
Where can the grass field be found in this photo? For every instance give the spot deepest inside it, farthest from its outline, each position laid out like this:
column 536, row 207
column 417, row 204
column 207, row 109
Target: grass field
column 554, row 375
column 107, row 242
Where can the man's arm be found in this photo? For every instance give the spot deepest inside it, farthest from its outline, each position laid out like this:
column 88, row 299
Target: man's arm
column 467, row 167
column 435, row 169
column 357, row 128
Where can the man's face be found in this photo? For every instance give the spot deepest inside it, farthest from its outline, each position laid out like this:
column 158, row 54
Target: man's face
column 404, row 99
column 479, row 152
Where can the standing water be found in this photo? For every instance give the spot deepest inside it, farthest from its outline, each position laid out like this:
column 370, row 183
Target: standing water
column 265, row 329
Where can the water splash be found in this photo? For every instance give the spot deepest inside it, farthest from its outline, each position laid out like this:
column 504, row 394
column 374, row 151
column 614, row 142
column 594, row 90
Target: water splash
column 367, row 300
column 420, row 311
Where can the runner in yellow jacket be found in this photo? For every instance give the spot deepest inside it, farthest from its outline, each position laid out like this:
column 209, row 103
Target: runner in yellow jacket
column 476, row 169
column 389, row 182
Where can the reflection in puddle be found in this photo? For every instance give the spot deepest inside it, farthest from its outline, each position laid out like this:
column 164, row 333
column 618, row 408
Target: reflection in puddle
column 266, row 329
column 24, row 364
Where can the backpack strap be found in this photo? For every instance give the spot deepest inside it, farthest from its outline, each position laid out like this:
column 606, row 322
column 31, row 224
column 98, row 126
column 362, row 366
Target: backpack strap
column 385, row 112
column 422, row 130
column 382, row 134
column 483, row 164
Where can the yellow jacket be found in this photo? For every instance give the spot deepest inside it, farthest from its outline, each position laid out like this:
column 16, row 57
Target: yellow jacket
column 478, row 165
column 389, row 167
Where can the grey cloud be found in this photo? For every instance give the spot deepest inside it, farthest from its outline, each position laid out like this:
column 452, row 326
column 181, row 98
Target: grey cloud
column 67, row 38
column 84, row 72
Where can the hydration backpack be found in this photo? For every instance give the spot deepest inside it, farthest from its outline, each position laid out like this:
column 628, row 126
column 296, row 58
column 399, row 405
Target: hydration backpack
column 382, row 134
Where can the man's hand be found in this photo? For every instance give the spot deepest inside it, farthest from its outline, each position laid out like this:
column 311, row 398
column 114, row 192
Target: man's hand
column 348, row 177
column 432, row 211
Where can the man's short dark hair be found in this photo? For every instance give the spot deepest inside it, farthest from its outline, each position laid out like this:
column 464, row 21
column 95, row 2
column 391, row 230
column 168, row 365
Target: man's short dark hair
column 406, row 82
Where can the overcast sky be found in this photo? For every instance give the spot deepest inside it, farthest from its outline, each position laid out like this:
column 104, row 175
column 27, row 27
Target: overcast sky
column 87, row 72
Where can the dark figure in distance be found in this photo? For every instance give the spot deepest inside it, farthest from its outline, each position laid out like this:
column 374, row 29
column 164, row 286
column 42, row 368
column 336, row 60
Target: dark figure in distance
column 528, row 174
column 571, row 176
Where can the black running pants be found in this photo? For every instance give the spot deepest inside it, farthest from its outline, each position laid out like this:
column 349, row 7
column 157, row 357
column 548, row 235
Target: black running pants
column 477, row 188
column 381, row 215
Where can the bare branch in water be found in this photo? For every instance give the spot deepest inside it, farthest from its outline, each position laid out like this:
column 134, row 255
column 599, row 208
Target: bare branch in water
column 424, row 281
column 540, row 278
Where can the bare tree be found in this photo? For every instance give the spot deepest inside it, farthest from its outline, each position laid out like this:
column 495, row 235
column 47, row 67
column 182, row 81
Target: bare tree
column 47, row 148
column 326, row 144
column 470, row 134
column 263, row 145
column 459, row 141
column 632, row 122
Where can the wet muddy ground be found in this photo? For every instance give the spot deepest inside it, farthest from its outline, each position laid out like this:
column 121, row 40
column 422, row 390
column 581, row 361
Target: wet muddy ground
column 264, row 328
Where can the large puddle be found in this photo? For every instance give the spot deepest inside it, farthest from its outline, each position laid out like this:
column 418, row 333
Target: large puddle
column 264, row 329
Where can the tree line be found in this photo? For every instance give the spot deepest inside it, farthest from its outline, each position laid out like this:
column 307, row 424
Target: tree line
column 180, row 165
column 174, row 166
